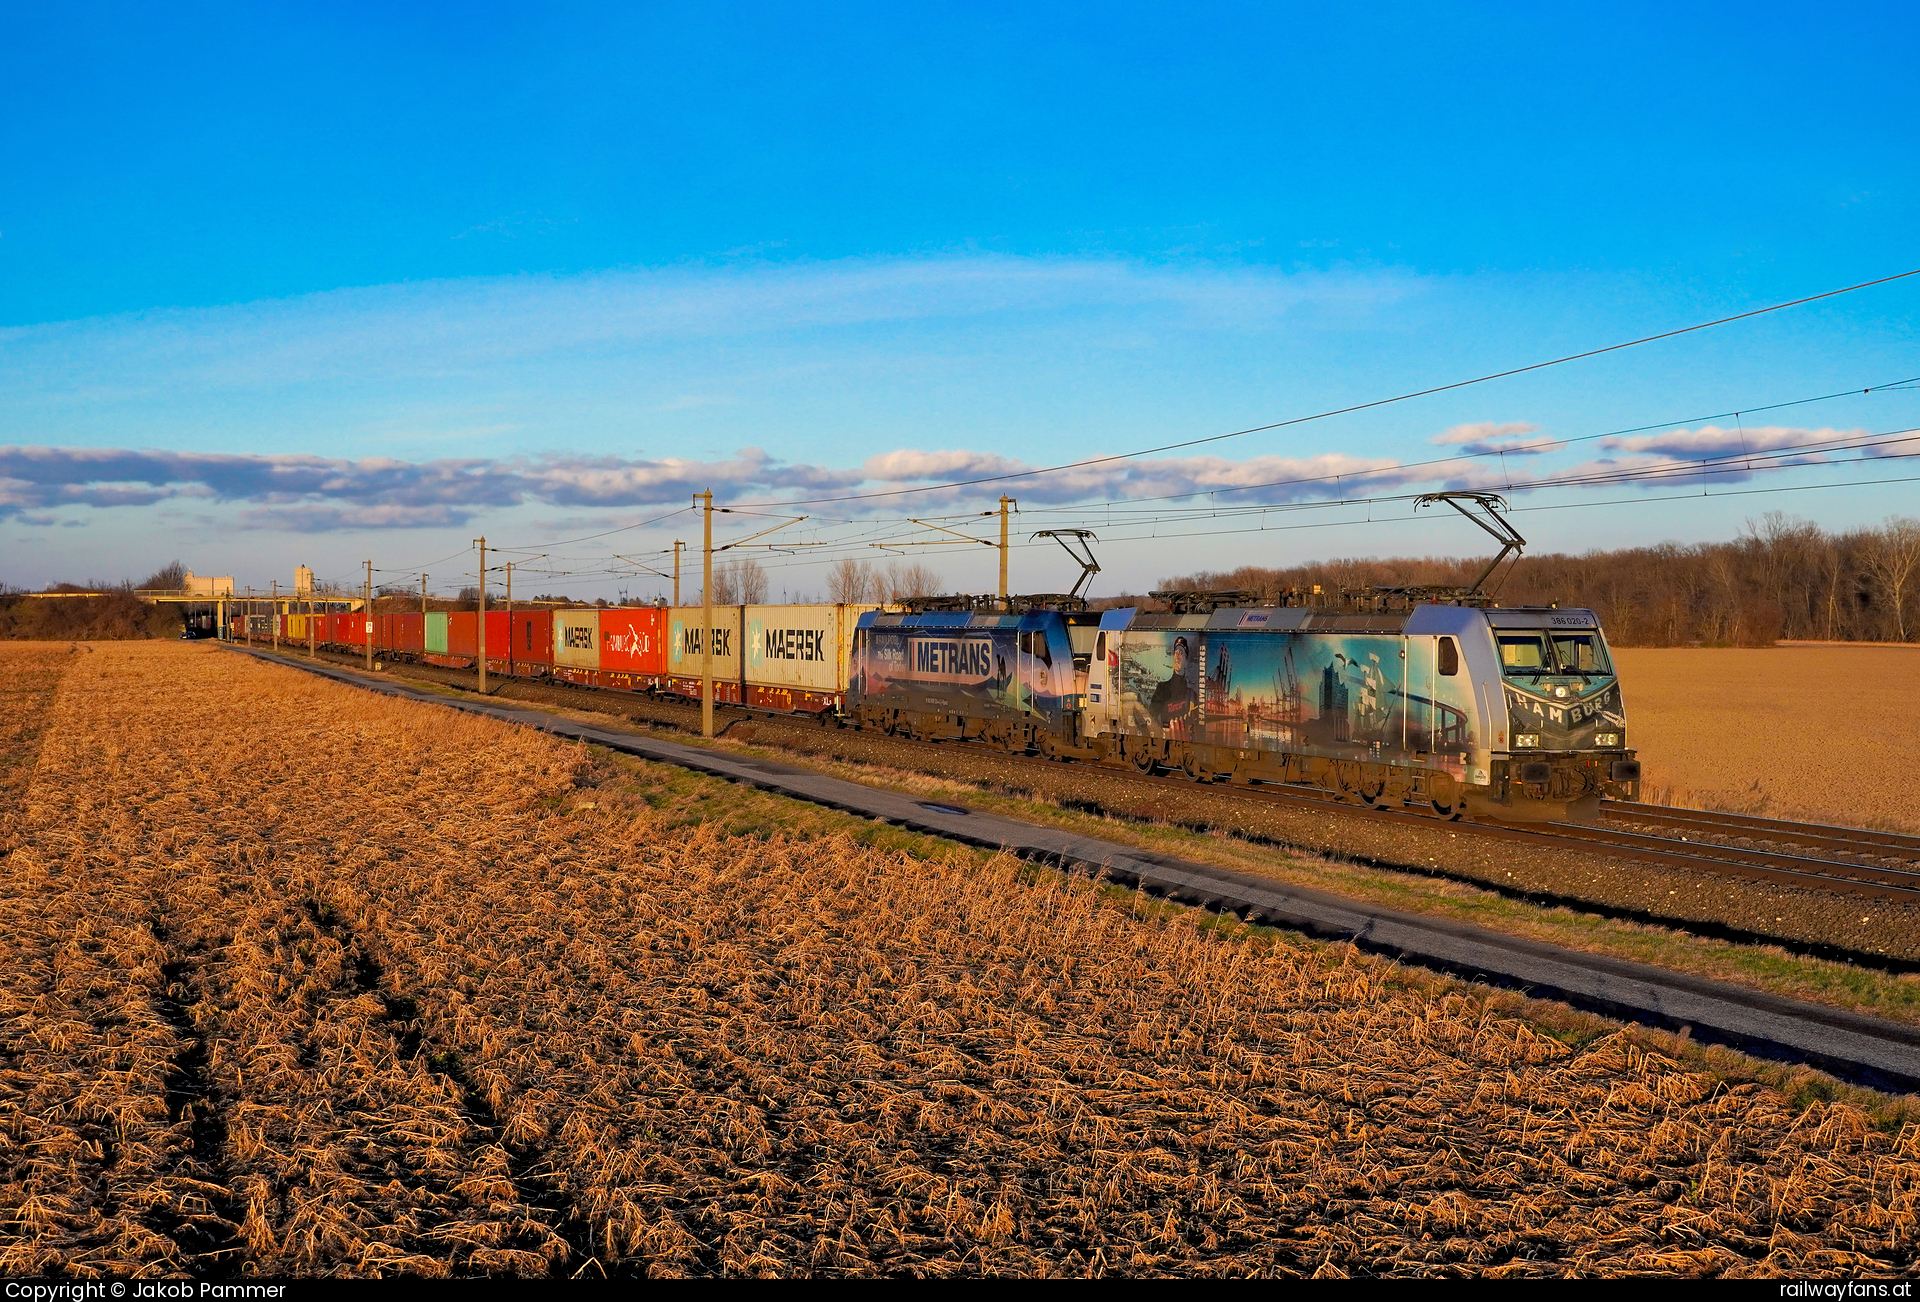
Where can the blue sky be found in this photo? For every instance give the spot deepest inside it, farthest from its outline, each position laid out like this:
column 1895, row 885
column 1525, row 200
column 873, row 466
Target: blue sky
column 368, row 281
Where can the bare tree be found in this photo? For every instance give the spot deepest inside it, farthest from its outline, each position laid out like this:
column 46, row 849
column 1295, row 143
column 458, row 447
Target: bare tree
column 851, row 582
column 753, row 582
column 1891, row 557
column 168, row 578
column 739, row 583
column 902, row 580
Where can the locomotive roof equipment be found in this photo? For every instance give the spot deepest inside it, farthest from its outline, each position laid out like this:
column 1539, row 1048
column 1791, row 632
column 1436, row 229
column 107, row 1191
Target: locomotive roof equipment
column 1068, row 538
column 1488, row 518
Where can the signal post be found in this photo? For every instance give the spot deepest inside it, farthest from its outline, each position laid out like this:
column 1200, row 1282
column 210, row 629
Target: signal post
column 706, row 613
column 366, row 610
column 480, row 621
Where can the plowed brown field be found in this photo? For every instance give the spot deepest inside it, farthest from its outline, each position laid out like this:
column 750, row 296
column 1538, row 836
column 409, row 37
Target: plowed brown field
column 298, row 980
column 1823, row 733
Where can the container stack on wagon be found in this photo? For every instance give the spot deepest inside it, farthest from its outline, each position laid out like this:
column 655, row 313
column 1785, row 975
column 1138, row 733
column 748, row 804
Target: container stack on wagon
column 787, row 658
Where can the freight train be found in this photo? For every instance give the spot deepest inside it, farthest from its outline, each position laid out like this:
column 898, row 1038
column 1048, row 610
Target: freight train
column 1405, row 699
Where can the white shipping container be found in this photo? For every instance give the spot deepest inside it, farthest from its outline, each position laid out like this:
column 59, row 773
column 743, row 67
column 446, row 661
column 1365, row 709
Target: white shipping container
column 802, row 647
column 576, row 638
column 684, row 624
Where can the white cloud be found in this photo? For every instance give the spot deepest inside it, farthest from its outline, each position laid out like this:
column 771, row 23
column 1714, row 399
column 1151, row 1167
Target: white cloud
column 303, row 492
column 1712, row 440
column 1496, row 436
column 442, row 329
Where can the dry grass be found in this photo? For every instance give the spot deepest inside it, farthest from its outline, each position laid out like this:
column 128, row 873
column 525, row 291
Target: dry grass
column 1821, row 733
column 406, row 991
column 29, row 674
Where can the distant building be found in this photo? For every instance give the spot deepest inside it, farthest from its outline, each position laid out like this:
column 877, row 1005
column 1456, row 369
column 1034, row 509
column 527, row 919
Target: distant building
column 207, row 586
column 302, row 581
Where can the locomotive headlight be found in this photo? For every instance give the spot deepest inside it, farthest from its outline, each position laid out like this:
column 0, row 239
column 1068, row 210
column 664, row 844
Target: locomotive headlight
column 1560, row 692
column 1606, row 739
column 1526, row 739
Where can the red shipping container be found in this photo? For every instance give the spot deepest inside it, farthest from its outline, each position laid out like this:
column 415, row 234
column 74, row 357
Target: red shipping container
column 461, row 628
column 410, row 633
column 633, row 639
column 532, row 633
column 460, row 631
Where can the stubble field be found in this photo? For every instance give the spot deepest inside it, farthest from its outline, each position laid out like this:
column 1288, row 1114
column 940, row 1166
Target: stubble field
column 1820, row 733
column 299, row 980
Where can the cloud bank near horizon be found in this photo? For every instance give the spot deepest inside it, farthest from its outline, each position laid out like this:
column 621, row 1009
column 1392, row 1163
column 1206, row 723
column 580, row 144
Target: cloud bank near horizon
column 302, row 493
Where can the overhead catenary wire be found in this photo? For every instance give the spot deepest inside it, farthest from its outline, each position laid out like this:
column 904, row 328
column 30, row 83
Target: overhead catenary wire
column 886, row 527
column 885, row 531
column 1541, row 447
column 1348, row 410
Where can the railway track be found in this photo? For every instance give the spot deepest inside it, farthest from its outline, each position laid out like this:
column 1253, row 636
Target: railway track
column 1846, row 861
column 1848, row 840
column 1837, row 860
column 1868, row 1049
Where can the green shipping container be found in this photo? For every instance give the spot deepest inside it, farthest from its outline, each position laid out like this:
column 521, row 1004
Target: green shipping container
column 437, row 632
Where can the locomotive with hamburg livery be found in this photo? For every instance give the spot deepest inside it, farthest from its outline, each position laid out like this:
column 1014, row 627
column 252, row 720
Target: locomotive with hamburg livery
column 1388, row 700
column 1430, row 699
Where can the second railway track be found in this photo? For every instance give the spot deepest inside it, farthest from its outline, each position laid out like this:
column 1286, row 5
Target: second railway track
column 1880, row 880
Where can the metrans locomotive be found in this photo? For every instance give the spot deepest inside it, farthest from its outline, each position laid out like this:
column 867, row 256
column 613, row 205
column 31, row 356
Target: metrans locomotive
column 1411, row 699
column 1385, row 700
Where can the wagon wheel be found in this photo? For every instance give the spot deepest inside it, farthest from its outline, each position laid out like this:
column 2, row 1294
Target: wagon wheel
column 893, row 726
column 1012, row 742
column 1049, row 748
column 1371, row 786
column 1143, row 758
column 1191, row 767
column 1343, row 779
column 1444, row 790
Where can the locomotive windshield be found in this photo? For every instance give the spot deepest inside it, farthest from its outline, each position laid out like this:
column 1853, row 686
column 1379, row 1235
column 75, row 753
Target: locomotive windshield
column 1526, row 654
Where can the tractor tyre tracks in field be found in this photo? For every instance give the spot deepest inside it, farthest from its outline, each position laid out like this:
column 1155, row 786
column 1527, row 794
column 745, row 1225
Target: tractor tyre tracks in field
column 410, row 1023
column 211, row 1239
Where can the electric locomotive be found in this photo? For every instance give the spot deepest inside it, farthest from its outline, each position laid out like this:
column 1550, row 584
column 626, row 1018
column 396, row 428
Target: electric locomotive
column 1426, row 698
column 1404, row 699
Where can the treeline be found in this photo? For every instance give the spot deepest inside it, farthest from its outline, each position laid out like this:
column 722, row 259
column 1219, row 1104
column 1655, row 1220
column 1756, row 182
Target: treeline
column 113, row 615
column 1781, row 579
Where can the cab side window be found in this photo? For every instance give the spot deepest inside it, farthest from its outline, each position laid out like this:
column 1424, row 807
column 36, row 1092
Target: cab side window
column 1449, row 658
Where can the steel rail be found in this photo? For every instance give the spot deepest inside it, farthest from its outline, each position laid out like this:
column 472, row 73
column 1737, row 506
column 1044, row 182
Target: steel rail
column 1852, row 840
column 1830, row 876
column 1830, row 873
column 1859, row 1047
